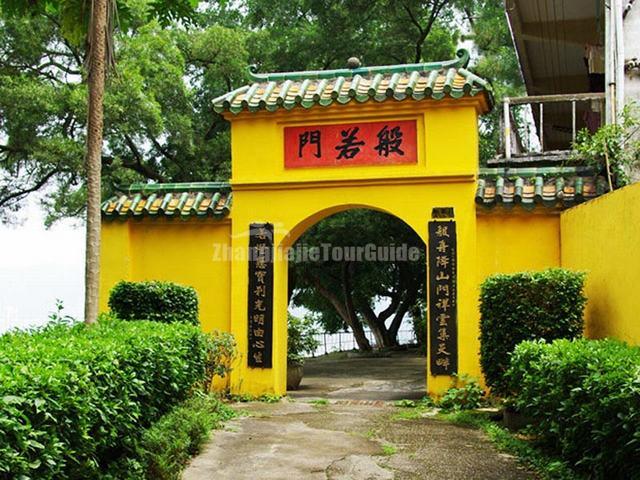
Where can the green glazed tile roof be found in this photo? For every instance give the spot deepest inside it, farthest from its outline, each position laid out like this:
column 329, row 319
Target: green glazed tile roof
column 172, row 200
column 274, row 91
column 551, row 187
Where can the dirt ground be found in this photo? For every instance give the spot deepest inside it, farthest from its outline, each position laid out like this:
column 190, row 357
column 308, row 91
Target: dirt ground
column 343, row 426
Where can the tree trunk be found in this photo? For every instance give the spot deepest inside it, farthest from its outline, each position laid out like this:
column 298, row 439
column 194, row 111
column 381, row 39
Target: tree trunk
column 354, row 323
column 97, row 72
column 377, row 326
column 341, row 309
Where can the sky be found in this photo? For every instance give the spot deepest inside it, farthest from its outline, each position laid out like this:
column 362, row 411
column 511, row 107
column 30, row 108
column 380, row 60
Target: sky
column 39, row 266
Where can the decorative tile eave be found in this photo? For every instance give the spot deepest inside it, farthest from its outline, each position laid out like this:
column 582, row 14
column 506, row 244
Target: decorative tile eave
column 170, row 200
column 551, row 187
column 421, row 81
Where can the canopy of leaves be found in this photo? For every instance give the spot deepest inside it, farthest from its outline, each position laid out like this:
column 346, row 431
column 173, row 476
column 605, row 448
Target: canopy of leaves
column 350, row 288
column 159, row 124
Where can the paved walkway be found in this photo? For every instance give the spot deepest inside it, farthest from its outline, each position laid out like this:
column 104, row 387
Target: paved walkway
column 354, row 436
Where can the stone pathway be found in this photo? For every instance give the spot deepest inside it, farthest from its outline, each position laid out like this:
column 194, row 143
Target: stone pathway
column 347, row 440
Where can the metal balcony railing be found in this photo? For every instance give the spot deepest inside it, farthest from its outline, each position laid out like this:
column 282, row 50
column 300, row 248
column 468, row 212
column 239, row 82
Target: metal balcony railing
column 531, row 115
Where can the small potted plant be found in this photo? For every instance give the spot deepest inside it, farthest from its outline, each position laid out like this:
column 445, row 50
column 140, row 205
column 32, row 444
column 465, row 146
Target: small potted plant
column 301, row 341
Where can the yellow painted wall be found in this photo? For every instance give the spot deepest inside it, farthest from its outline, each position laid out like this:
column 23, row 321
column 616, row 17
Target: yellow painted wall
column 602, row 237
column 516, row 241
column 172, row 250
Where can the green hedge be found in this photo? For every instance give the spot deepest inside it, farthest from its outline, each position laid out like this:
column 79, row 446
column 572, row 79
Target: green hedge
column 526, row 306
column 585, row 396
column 74, row 399
column 158, row 301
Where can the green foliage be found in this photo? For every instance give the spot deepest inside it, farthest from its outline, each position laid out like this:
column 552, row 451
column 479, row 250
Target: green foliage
column 613, row 143
column 347, row 291
column 389, row 449
column 585, row 397
column 464, row 394
column 221, row 351
column 167, row 446
column 157, row 301
column 300, row 338
column 247, row 397
column 74, row 399
column 526, row 306
column 497, row 62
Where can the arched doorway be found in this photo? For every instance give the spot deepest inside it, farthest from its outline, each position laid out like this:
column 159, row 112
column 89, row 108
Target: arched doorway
column 358, row 275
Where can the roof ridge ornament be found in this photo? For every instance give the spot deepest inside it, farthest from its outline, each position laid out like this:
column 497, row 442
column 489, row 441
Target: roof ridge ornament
column 462, row 61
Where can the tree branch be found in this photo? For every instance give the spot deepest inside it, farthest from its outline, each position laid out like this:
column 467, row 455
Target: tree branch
column 21, row 193
column 138, row 166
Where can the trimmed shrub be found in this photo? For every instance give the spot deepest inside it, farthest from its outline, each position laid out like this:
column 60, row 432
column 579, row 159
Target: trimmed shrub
column 157, row 301
column 75, row 399
column 585, row 396
column 526, row 306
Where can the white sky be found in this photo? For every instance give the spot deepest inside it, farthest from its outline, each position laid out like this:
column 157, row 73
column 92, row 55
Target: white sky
column 38, row 266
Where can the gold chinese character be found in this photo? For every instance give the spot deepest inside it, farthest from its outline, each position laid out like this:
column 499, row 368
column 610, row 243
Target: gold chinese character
column 443, row 304
column 443, row 319
column 442, row 231
column 257, row 356
column 260, row 276
column 261, row 264
column 443, row 336
column 260, row 291
column 258, row 305
column 258, row 318
column 442, row 349
column 262, row 233
column 442, row 289
column 258, row 344
column 441, row 276
column 443, row 362
column 261, row 250
column 442, row 246
column 442, row 261
column 258, row 332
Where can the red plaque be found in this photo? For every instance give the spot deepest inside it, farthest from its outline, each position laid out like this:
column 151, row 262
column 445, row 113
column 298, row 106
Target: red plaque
column 374, row 143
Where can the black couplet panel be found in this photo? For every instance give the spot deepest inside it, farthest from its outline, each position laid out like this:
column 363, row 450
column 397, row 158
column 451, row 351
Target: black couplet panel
column 443, row 298
column 260, row 295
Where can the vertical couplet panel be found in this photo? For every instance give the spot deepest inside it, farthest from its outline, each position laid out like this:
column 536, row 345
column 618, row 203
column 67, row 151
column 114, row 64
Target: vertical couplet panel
column 443, row 298
column 260, row 301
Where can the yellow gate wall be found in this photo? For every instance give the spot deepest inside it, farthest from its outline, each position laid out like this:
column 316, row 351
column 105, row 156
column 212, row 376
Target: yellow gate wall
column 516, row 241
column 602, row 238
column 172, row 250
column 295, row 199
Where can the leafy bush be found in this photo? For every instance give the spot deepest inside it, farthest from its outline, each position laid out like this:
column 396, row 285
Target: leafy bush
column 168, row 445
column 301, row 338
column 74, row 399
column 157, row 301
column 585, row 396
column 613, row 148
column 526, row 306
column 464, row 394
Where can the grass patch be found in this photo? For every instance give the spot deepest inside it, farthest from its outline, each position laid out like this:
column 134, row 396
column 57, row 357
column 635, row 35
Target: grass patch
column 388, row 449
column 246, row 397
column 319, row 402
column 169, row 444
column 549, row 468
column 413, row 414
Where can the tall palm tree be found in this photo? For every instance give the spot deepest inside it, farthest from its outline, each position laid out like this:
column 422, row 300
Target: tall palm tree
column 99, row 36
